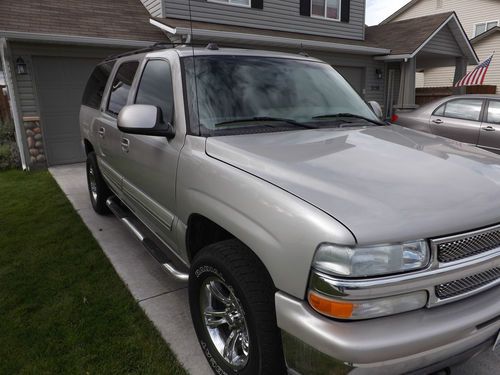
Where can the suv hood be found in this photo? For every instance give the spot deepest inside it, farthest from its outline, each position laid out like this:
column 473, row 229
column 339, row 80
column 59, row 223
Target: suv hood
column 385, row 184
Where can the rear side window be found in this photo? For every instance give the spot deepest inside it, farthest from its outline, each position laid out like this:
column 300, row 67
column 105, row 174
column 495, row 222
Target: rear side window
column 121, row 86
column 155, row 88
column 464, row 109
column 94, row 91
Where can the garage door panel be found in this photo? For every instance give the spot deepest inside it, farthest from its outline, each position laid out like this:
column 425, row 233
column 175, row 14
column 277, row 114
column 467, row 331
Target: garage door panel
column 60, row 100
column 61, row 127
column 64, row 151
column 355, row 76
column 60, row 82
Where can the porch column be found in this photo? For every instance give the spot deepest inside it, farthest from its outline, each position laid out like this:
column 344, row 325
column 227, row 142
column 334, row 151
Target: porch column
column 406, row 99
column 460, row 72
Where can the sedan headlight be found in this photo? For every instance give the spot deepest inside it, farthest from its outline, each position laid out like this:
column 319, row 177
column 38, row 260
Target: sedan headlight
column 367, row 261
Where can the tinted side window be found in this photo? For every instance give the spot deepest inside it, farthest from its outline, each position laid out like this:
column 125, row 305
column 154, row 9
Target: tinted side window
column 121, row 86
column 439, row 111
column 465, row 109
column 94, row 91
column 494, row 112
column 155, row 88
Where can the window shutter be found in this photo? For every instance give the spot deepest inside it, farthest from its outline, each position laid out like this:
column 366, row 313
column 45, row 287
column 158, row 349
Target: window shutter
column 305, row 8
column 257, row 4
column 345, row 9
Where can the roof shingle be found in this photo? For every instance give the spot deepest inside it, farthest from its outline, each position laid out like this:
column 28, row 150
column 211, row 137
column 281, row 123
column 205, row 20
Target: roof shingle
column 115, row 19
column 404, row 37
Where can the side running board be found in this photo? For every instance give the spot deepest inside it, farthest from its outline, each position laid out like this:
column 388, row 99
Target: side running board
column 149, row 240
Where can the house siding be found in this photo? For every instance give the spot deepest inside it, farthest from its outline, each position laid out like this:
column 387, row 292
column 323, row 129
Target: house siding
column 154, row 7
column 443, row 43
column 482, row 11
column 277, row 15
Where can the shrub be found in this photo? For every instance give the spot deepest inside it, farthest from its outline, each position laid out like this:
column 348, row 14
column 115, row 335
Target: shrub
column 9, row 154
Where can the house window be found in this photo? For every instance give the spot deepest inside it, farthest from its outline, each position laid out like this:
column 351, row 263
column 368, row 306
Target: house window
column 241, row 3
column 329, row 9
column 482, row 27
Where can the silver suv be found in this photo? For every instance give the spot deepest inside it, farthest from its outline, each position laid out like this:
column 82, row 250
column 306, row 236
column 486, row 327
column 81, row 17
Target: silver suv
column 315, row 238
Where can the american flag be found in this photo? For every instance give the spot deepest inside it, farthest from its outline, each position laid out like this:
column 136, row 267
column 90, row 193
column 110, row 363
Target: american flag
column 476, row 77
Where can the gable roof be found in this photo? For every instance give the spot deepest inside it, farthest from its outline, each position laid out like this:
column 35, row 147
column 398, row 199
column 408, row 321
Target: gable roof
column 484, row 35
column 399, row 11
column 110, row 19
column 406, row 38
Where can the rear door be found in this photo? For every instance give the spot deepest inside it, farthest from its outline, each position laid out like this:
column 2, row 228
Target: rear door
column 489, row 137
column 458, row 119
column 108, row 135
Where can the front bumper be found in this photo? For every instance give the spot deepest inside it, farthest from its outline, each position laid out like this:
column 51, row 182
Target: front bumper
column 415, row 341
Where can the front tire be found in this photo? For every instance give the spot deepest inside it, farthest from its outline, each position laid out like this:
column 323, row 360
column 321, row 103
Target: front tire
column 98, row 190
column 231, row 297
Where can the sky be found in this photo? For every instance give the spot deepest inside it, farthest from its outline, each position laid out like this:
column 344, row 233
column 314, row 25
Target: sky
column 378, row 10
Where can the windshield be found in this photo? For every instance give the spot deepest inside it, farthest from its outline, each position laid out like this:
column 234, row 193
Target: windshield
column 240, row 94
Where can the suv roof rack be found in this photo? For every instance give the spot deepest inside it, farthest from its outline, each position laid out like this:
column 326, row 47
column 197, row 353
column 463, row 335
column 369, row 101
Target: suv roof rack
column 154, row 47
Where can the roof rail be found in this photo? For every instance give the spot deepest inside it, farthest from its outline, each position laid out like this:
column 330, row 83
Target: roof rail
column 153, row 47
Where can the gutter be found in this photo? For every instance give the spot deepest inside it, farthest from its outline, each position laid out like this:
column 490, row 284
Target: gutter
column 72, row 39
column 274, row 40
column 7, row 69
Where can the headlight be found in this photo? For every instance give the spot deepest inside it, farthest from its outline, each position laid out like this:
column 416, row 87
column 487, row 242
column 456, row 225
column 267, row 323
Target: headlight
column 366, row 261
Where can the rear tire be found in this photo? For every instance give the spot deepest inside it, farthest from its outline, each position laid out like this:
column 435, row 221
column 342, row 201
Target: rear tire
column 98, row 190
column 231, row 291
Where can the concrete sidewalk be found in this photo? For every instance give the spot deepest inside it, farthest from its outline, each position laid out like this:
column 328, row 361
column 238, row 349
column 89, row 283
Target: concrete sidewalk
column 164, row 299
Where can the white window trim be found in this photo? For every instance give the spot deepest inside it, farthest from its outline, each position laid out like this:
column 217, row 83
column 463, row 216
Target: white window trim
column 483, row 23
column 230, row 3
column 324, row 12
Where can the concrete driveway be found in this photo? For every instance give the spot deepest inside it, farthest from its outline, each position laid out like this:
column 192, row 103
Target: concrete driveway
column 164, row 299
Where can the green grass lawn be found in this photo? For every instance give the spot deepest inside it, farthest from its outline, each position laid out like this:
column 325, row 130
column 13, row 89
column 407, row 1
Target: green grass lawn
column 63, row 309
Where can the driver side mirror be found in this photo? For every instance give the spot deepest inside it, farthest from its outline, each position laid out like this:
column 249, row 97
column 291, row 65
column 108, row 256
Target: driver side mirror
column 143, row 119
column 377, row 109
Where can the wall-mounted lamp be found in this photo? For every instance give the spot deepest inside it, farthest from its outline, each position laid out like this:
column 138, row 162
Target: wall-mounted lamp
column 21, row 68
column 378, row 72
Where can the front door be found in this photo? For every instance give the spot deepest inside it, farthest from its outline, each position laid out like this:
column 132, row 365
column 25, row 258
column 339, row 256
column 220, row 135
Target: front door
column 458, row 119
column 489, row 137
column 150, row 163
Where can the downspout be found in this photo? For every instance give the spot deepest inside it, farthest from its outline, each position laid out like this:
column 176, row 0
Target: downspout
column 13, row 101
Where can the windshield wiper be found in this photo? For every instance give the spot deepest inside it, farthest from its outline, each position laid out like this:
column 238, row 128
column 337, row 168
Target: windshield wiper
column 267, row 118
column 350, row 115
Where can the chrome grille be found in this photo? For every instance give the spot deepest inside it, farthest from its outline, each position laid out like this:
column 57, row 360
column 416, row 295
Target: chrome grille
column 467, row 284
column 468, row 246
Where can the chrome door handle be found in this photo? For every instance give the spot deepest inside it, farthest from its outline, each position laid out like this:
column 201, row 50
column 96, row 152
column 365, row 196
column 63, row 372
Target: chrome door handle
column 125, row 144
column 101, row 132
column 437, row 121
column 489, row 129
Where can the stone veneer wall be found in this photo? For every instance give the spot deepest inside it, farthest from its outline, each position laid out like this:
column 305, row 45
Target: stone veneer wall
column 34, row 140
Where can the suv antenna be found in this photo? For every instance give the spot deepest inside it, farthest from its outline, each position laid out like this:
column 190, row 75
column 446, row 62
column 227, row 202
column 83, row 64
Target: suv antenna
column 191, row 40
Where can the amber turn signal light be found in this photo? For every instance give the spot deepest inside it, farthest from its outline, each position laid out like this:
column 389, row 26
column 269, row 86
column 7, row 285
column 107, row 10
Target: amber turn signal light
column 329, row 307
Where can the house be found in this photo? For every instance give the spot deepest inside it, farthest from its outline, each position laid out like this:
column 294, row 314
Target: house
column 481, row 22
column 48, row 49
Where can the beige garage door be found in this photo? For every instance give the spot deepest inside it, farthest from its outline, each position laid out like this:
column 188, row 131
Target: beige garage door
column 60, row 82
